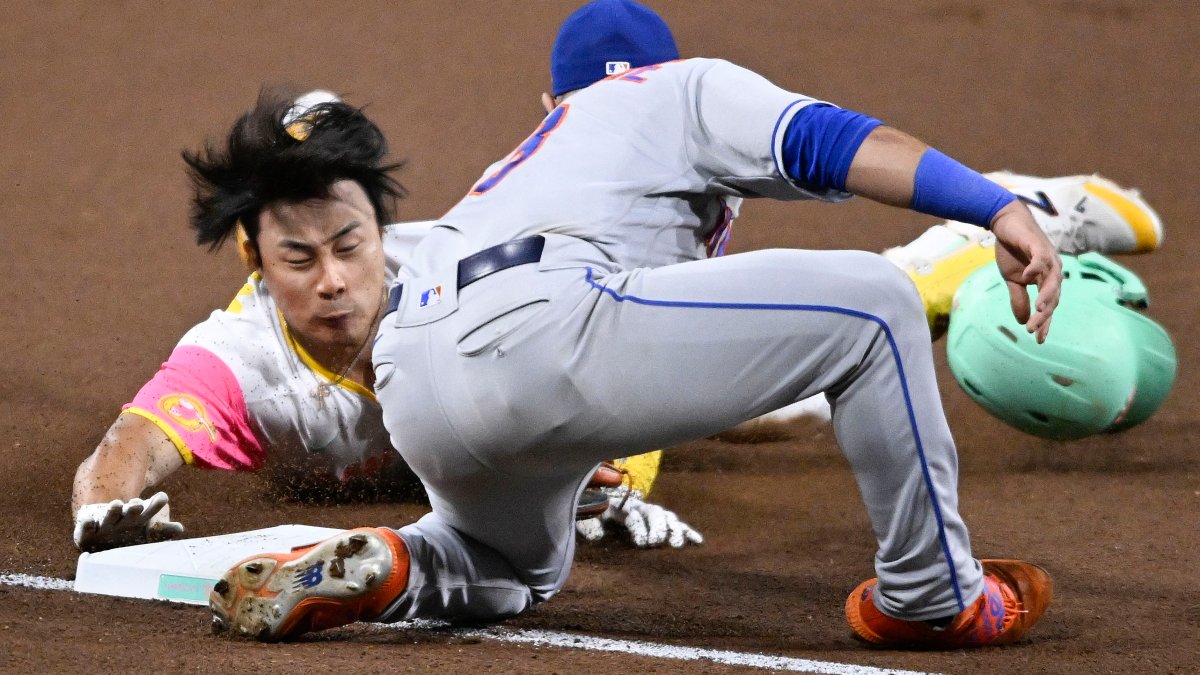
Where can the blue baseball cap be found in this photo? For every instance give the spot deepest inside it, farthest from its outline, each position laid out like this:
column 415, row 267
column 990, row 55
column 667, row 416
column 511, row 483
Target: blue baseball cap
column 603, row 38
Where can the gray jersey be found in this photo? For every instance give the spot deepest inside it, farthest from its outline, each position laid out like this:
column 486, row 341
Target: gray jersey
column 649, row 166
column 502, row 394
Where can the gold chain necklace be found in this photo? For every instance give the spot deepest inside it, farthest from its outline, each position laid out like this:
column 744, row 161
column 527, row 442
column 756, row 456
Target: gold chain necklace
column 325, row 389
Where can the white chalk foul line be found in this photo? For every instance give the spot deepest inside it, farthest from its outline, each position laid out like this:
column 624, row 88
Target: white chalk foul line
column 651, row 649
column 662, row 651
column 573, row 641
column 30, row 581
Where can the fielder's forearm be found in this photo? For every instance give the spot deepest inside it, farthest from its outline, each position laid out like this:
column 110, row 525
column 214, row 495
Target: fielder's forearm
column 894, row 168
column 884, row 167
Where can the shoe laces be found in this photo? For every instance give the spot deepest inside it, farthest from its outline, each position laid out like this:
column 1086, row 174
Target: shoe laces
column 995, row 612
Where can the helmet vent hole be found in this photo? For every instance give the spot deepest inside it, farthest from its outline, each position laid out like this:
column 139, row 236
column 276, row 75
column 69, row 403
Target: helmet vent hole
column 1091, row 276
column 1007, row 333
column 1038, row 416
column 1062, row 381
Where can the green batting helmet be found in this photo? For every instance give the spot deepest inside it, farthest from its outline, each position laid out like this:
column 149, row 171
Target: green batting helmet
column 1104, row 367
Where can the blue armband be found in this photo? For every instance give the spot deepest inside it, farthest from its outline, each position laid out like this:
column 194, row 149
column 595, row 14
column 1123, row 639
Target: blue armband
column 820, row 142
column 944, row 188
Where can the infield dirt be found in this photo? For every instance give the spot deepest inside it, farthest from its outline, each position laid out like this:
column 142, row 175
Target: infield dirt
column 102, row 278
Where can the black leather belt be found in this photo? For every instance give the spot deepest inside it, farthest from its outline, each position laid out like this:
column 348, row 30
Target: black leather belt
column 490, row 260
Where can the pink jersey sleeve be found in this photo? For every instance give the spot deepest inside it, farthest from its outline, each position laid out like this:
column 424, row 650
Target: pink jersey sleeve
column 195, row 399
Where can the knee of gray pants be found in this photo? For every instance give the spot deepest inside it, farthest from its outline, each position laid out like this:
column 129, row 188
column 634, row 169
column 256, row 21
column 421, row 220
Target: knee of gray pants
column 888, row 293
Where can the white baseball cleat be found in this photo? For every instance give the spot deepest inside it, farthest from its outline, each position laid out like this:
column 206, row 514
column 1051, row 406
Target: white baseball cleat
column 352, row 576
column 1087, row 213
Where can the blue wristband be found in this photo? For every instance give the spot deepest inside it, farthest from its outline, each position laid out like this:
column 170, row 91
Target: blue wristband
column 944, row 188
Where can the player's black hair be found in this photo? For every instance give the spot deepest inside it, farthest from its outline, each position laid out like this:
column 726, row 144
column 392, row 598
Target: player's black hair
column 262, row 163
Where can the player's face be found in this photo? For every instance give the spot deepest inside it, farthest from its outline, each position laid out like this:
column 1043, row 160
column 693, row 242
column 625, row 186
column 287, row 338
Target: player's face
column 322, row 260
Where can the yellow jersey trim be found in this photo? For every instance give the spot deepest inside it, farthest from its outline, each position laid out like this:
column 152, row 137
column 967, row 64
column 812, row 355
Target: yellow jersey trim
column 235, row 306
column 1145, row 235
column 344, row 382
column 180, row 445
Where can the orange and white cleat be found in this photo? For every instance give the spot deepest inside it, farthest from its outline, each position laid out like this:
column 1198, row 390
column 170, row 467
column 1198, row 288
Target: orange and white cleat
column 352, row 576
column 1015, row 595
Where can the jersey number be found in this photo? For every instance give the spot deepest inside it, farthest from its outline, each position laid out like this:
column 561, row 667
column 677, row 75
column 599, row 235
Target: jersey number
column 525, row 150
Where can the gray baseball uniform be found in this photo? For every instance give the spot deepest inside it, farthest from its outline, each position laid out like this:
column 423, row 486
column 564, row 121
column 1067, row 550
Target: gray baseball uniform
column 503, row 395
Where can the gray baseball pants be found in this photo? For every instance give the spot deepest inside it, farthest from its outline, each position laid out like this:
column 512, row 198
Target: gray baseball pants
column 504, row 397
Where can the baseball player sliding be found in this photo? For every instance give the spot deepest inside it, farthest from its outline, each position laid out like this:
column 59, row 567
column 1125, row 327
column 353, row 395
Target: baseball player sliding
column 583, row 313
column 280, row 380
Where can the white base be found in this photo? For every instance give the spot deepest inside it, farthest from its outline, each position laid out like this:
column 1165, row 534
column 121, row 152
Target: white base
column 184, row 570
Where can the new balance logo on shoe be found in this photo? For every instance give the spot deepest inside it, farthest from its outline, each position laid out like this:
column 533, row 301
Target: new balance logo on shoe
column 353, row 575
column 309, row 576
column 991, row 617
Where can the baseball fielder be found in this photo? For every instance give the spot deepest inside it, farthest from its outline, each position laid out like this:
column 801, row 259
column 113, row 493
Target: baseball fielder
column 585, row 313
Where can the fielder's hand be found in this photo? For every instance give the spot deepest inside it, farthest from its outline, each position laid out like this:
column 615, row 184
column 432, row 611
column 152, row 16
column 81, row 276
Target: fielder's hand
column 1027, row 258
column 648, row 525
column 124, row 523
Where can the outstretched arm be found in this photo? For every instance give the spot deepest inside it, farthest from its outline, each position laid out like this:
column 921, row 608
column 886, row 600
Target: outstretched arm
column 133, row 456
column 894, row 168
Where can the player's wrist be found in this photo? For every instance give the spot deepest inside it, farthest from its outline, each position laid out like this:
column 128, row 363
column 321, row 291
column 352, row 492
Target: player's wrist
column 86, row 532
column 91, row 511
column 1013, row 215
column 945, row 188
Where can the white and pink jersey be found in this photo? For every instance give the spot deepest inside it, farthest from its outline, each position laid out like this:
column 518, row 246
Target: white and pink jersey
column 238, row 392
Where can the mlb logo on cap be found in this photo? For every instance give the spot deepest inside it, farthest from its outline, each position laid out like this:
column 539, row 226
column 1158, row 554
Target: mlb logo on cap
column 431, row 296
column 606, row 38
